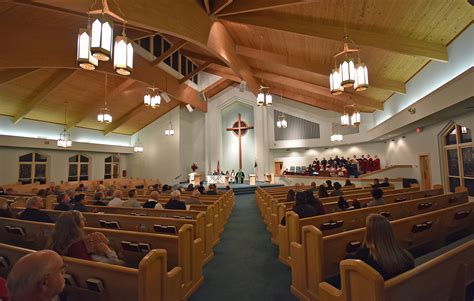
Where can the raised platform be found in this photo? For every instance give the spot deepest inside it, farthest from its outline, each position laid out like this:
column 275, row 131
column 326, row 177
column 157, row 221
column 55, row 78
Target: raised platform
column 248, row 189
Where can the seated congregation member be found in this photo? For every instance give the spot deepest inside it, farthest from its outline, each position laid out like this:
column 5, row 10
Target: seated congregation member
column 301, row 207
column 381, row 250
column 4, row 208
column 36, row 276
column 99, row 195
column 64, row 203
column 315, row 202
column 2, row 191
column 322, row 192
column 79, row 203
column 175, row 202
column 194, row 198
column 342, row 204
column 81, row 188
column 290, row 195
column 117, row 200
column 132, row 200
column 109, row 195
column 201, row 189
column 337, row 190
column 153, row 201
column 69, row 239
column 329, row 185
column 71, row 193
column 165, row 189
column 33, row 212
column 42, row 193
column 190, row 187
column 377, row 198
column 313, row 187
column 376, row 183
column 348, row 183
column 385, row 183
column 356, row 204
column 212, row 189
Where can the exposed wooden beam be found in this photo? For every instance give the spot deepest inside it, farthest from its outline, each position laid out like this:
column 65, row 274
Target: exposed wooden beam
column 207, row 6
column 168, row 52
column 228, row 74
column 219, row 5
column 320, row 90
column 314, row 67
column 96, row 105
column 125, row 118
column 54, row 51
column 164, row 109
column 313, row 101
column 195, row 71
column 202, row 57
column 242, row 7
column 312, row 28
column 217, row 87
column 9, row 75
column 42, row 92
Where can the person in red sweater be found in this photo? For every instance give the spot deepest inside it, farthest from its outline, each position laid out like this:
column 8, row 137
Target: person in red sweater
column 3, row 290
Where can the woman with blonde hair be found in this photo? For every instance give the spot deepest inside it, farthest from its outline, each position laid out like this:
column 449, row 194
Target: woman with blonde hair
column 380, row 250
column 69, row 239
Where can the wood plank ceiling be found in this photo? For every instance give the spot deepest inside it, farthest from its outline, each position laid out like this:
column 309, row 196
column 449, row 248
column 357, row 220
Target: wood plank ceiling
column 299, row 38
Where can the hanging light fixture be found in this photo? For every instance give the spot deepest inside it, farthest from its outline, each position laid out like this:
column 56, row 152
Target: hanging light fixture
column 104, row 115
column 169, row 131
column 336, row 137
column 85, row 59
column 138, row 148
column 152, row 98
column 64, row 140
column 348, row 74
column 355, row 118
column 282, row 123
column 264, row 98
column 123, row 54
column 96, row 42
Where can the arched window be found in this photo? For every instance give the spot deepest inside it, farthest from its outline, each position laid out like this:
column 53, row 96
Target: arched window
column 112, row 167
column 78, row 168
column 459, row 157
column 33, row 168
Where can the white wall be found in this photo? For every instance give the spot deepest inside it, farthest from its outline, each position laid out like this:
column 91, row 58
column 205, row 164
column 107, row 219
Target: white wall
column 58, row 161
column 191, row 142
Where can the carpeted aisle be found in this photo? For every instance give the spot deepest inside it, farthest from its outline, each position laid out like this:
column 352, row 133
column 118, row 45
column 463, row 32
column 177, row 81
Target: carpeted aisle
column 245, row 265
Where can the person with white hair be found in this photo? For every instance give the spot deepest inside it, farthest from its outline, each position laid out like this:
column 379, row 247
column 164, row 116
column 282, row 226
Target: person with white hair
column 117, row 200
column 194, row 199
column 37, row 276
column 175, row 201
column 153, row 201
column 33, row 212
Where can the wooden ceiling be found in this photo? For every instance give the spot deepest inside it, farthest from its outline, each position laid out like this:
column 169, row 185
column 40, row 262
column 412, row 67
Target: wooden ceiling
column 299, row 38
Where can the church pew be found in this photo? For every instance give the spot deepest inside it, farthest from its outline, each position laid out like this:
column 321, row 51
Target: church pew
column 211, row 214
column 272, row 203
column 182, row 250
column 442, row 278
column 348, row 220
column 282, row 208
column 318, row 256
column 146, row 224
column 150, row 282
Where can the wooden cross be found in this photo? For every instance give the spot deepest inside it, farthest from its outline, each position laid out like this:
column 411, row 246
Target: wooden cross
column 240, row 128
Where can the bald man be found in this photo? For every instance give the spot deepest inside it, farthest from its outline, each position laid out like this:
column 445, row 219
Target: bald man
column 38, row 276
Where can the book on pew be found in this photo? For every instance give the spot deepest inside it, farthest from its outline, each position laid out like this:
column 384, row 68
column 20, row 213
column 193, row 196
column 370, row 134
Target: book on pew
column 144, row 247
column 69, row 280
column 95, row 285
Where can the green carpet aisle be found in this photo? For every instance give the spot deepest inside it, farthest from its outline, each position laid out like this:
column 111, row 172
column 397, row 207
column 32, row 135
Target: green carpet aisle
column 245, row 266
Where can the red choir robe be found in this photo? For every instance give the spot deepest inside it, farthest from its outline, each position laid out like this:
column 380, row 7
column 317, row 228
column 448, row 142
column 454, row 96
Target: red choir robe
column 376, row 164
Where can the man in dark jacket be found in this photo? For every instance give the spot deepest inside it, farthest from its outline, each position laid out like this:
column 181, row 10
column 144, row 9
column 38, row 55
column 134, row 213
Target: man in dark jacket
column 64, row 202
column 175, row 202
column 33, row 212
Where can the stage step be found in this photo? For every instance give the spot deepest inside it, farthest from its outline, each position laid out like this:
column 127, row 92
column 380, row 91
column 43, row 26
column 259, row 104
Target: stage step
column 247, row 189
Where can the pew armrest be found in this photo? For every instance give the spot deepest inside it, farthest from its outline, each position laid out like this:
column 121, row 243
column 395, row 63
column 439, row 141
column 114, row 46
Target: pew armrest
column 173, row 284
column 328, row 292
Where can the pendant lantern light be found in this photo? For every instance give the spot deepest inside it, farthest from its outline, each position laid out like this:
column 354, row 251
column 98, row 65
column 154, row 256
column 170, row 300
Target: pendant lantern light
column 345, row 119
column 335, row 82
column 260, row 98
column 152, row 98
column 123, row 54
column 264, row 98
column 362, row 78
column 336, row 137
column 347, row 69
column 104, row 115
column 169, row 131
column 355, row 119
column 282, row 123
column 85, row 59
column 64, row 140
column 102, row 37
column 138, row 148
